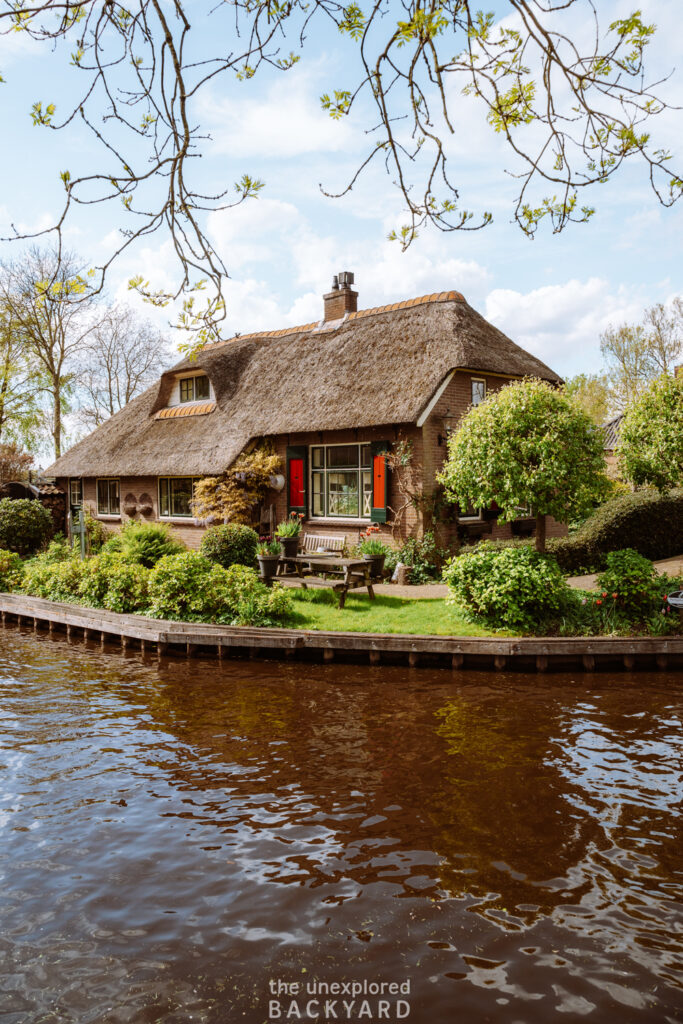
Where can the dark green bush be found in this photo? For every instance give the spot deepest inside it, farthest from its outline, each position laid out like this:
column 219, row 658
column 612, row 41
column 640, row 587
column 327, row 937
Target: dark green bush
column 230, row 544
column 632, row 583
column 647, row 522
column 517, row 588
column 11, row 570
column 145, row 543
column 25, row 525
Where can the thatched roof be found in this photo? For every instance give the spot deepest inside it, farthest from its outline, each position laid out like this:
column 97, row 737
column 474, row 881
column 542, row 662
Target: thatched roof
column 611, row 432
column 375, row 367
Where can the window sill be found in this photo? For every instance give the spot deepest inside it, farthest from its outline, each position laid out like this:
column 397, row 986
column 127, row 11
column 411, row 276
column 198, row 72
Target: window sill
column 108, row 515
column 180, row 520
column 331, row 521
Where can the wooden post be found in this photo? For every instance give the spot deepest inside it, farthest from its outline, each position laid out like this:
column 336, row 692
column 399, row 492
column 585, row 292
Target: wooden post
column 162, row 648
column 457, row 661
column 328, row 654
column 413, row 659
column 124, row 641
column 374, row 657
column 68, row 630
column 662, row 661
column 629, row 661
column 499, row 662
column 541, row 663
column 588, row 662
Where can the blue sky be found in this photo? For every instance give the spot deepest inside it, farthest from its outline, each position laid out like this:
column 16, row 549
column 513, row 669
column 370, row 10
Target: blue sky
column 554, row 295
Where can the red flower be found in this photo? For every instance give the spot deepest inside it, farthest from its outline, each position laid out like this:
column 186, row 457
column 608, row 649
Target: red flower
column 614, row 596
column 598, row 601
column 604, row 594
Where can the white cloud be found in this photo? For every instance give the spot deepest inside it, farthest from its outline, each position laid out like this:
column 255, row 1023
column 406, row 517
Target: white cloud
column 562, row 323
column 282, row 122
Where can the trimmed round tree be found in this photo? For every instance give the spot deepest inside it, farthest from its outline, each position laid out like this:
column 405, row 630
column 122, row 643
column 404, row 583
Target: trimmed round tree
column 651, row 436
column 527, row 446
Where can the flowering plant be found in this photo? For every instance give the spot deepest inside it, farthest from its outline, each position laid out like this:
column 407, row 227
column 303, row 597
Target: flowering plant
column 372, row 545
column 290, row 527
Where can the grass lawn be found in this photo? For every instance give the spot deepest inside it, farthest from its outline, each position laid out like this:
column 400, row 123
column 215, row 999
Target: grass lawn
column 317, row 609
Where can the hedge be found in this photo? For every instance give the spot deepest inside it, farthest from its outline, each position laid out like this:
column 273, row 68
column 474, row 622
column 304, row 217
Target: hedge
column 646, row 521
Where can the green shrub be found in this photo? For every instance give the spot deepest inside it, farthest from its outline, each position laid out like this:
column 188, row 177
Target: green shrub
column 25, row 525
column 113, row 546
column 632, row 583
column 251, row 603
column 97, row 533
column 11, row 570
column 423, row 557
column 58, row 550
column 515, row 588
column 230, row 544
column 146, row 543
column 57, row 581
column 127, row 584
column 650, row 524
column 189, row 587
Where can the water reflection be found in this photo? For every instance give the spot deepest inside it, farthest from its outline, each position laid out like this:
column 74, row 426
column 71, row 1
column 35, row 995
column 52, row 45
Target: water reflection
column 174, row 835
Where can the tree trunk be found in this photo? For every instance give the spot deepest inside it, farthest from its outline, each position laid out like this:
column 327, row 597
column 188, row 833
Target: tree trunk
column 57, row 422
column 540, row 532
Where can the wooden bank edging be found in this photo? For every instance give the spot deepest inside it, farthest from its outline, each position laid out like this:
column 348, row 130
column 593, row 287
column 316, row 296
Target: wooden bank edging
column 188, row 638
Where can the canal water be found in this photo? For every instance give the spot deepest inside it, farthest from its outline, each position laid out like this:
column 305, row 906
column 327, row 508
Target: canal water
column 187, row 841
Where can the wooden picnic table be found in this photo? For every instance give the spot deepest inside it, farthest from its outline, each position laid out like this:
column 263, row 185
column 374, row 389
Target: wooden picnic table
column 314, row 571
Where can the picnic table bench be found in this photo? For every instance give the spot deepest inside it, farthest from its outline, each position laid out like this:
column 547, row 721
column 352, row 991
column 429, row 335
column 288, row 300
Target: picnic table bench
column 314, row 571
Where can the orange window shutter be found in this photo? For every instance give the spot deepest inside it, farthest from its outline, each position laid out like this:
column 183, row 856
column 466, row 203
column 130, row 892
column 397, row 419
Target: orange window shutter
column 379, row 471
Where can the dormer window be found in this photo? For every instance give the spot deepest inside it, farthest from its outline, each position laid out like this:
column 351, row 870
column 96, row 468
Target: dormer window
column 194, row 389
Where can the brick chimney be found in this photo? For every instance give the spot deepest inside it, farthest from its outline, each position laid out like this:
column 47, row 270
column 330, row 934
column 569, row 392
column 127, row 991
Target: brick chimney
column 341, row 300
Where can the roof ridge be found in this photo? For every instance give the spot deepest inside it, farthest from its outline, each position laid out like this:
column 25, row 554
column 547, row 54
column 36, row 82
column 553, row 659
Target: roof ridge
column 421, row 300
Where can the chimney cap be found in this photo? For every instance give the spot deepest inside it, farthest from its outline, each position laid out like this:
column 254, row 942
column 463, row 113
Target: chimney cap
column 345, row 279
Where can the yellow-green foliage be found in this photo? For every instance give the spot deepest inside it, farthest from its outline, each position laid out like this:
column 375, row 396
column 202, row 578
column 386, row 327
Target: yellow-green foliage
column 11, row 570
column 232, row 496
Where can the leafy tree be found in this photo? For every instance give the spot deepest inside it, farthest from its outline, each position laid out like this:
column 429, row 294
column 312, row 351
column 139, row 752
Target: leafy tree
column 527, row 446
column 48, row 299
column 591, row 392
column 651, row 437
column 571, row 113
column 20, row 386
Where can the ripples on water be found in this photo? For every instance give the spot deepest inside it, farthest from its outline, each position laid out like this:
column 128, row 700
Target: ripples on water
column 173, row 836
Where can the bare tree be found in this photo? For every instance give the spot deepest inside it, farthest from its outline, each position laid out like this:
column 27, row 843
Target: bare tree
column 122, row 356
column 636, row 354
column 571, row 114
column 665, row 331
column 50, row 304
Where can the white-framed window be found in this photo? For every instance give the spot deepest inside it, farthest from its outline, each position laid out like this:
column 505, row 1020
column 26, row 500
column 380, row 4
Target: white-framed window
column 108, row 503
column 341, row 481
column 478, row 390
column 75, row 493
column 472, row 515
column 175, row 495
column 194, row 389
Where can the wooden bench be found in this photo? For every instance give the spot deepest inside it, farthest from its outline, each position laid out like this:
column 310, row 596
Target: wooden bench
column 329, row 543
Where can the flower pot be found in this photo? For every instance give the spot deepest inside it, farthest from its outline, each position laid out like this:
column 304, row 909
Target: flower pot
column 289, row 546
column 268, row 566
column 377, row 564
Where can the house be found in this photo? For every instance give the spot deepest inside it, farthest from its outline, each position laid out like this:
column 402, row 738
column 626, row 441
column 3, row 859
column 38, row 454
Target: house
column 333, row 397
column 611, row 431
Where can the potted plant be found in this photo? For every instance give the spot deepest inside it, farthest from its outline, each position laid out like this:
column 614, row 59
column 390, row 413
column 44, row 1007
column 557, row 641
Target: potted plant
column 287, row 532
column 268, row 555
column 373, row 550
